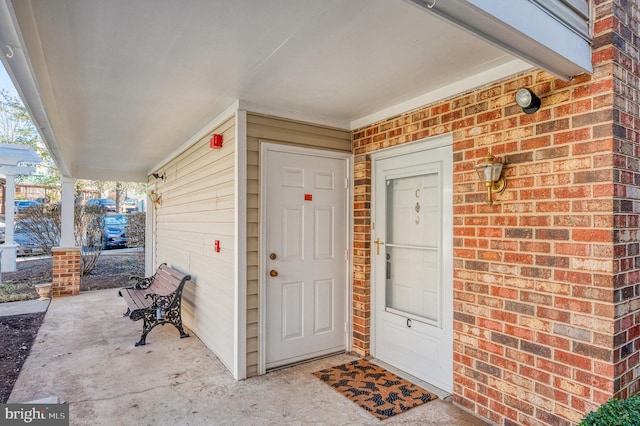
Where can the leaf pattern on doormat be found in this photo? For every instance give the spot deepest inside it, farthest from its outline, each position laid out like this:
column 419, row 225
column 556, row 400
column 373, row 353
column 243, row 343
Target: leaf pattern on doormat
column 373, row 388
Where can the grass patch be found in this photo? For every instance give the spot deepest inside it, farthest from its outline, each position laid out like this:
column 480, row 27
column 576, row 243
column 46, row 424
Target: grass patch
column 15, row 292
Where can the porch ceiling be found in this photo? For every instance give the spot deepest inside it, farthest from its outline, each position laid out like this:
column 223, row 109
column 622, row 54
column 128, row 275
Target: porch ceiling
column 117, row 85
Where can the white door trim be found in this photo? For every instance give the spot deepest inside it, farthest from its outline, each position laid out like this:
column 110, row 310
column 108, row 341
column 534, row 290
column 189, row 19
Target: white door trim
column 240, row 252
column 447, row 247
column 421, row 145
column 150, row 235
column 265, row 147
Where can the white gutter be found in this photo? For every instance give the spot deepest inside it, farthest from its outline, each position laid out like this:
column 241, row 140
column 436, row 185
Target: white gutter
column 522, row 28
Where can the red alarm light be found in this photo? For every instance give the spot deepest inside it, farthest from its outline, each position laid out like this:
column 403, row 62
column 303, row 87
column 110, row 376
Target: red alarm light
column 216, row 141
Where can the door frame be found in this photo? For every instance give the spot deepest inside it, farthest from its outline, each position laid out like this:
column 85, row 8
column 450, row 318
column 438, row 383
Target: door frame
column 447, row 272
column 265, row 147
column 150, row 234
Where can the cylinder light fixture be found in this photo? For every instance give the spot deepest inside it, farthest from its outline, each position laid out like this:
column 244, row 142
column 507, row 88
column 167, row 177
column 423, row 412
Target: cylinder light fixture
column 527, row 100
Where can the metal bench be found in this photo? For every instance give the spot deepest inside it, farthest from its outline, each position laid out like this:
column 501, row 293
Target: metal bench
column 156, row 300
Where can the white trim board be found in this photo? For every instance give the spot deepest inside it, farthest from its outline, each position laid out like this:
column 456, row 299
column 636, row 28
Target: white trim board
column 240, row 252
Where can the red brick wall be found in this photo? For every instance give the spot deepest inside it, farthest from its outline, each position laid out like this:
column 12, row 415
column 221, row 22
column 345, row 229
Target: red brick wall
column 546, row 292
column 361, row 252
column 66, row 272
column 617, row 41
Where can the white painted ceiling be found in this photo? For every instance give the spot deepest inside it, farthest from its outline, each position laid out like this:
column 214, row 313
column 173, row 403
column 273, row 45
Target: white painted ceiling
column 126, row 82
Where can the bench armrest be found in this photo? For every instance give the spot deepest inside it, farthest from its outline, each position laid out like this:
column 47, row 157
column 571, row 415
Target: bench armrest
column 140, row 283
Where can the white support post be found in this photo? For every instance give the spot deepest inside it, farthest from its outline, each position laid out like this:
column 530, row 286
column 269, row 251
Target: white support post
column 9, row 246
column 12, row 160
column 67, row 239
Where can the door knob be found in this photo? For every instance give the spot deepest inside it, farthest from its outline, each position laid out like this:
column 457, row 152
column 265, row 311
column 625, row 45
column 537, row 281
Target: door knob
column 273, row 273
column 272, row 256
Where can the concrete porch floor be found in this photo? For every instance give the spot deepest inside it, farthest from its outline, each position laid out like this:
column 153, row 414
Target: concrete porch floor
column 84, row 354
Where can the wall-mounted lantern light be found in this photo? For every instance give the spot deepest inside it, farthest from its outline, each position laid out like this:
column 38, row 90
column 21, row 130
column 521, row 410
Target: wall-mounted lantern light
column 490, row 173
column 155, row 198
column 527, row 100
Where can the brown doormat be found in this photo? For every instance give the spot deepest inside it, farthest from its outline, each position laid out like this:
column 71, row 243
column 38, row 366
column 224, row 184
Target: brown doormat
column 375, row 389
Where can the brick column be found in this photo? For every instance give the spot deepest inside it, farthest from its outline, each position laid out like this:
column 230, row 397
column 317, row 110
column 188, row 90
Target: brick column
column 361, row 343
column 66, row 271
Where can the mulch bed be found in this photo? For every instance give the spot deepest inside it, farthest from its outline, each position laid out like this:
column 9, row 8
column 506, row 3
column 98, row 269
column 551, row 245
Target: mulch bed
column 18, row 332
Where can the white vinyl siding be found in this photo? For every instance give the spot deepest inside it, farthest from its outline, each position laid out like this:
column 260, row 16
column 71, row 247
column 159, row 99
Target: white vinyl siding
column 271, row 129
column 197, row 209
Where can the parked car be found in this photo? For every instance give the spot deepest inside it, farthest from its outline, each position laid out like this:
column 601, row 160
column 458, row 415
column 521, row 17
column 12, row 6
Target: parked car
column 26, row 244
column 115, row 230
column 107, row 204
column 129, row 206
column 21, row 205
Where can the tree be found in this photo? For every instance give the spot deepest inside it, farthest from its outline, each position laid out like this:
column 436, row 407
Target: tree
column 121, row 189
column 118, row 187
column 124, row 189
column 16, row 127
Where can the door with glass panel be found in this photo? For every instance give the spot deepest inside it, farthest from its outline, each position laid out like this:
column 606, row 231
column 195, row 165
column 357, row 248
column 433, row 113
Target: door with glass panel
column 412, row 262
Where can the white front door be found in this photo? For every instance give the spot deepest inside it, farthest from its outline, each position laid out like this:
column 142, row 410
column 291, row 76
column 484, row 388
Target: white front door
column 305, row 258
column 412, row 262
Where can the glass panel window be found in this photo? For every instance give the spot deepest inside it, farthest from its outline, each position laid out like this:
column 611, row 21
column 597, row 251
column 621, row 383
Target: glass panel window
column 413, row 247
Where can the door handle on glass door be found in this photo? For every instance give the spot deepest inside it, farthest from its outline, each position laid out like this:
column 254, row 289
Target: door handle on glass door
column 377, row 242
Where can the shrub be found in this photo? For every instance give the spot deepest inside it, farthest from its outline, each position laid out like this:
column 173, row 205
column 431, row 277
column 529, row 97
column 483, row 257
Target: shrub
column 42, row 223
column 615, row 413
column 88, row 231
column 136, row 230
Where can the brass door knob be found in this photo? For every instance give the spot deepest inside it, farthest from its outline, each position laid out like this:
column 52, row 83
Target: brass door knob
column 273, row 273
